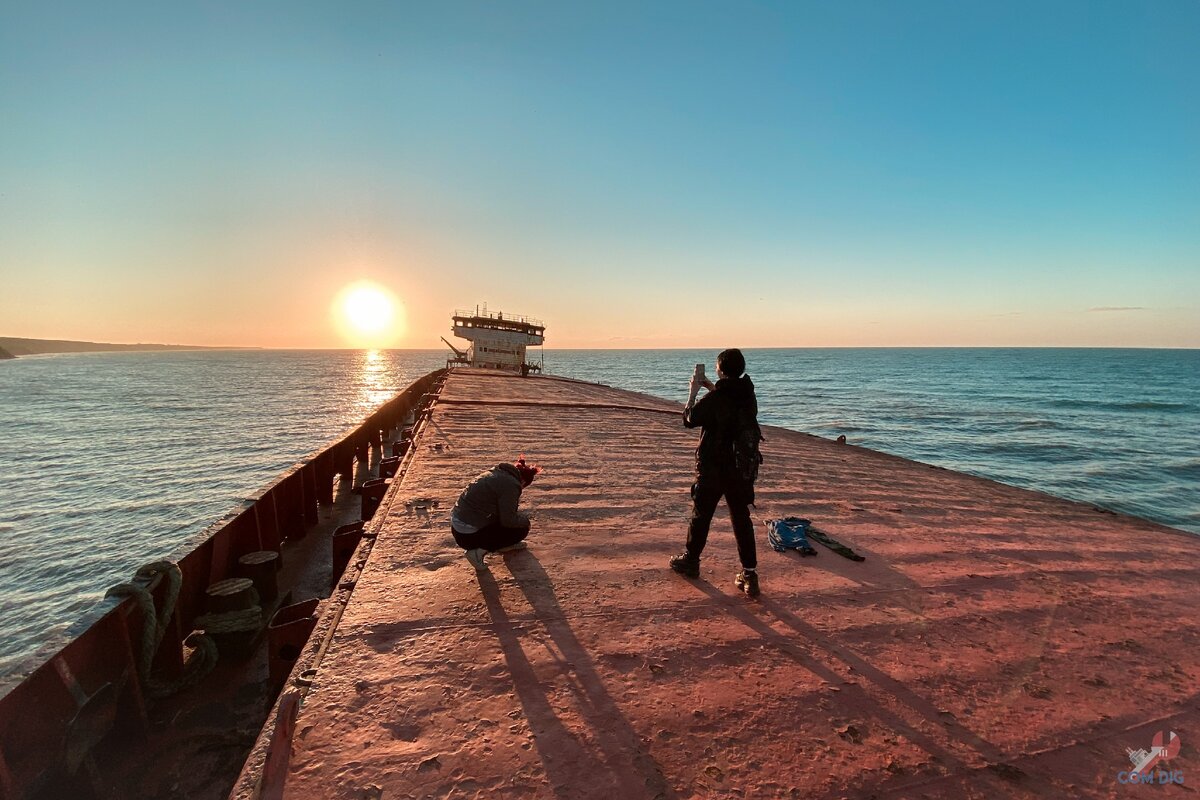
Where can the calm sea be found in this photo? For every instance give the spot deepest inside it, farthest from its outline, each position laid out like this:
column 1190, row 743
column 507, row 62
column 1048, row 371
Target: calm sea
column 109, row 460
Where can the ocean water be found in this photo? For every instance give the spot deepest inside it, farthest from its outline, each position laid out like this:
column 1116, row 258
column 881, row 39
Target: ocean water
column 109, row 460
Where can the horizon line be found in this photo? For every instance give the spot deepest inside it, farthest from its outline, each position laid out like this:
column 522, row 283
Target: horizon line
column 154, row 346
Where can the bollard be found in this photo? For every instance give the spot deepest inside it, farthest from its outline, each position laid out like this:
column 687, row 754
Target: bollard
column 344, row 542
column 289, row 630
column 261, row 567
column 232, row 594
column 372, row 495
column 234, row 618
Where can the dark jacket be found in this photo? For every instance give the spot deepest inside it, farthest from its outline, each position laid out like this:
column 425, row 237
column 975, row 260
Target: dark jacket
column 719, row 413
column 492, row 497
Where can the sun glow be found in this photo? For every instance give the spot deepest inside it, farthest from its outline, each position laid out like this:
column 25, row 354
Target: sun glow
column 368, row 315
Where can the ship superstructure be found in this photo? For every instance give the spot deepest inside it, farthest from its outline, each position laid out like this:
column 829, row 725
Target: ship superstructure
column 497, row 341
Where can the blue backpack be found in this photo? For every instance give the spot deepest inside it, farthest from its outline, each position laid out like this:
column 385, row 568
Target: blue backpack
column 790, row 533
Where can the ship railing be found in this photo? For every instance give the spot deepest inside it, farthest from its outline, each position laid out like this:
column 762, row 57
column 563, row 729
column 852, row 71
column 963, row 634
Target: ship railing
column 498, row 316
column 89, row 692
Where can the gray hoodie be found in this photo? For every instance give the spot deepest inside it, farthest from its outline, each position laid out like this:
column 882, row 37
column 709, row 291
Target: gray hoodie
column 493, row 496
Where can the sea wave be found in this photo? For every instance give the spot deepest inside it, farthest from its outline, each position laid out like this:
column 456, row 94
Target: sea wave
column 1183, row 469
column 1040, row 424
column 1035, row 451
column 1109, row 405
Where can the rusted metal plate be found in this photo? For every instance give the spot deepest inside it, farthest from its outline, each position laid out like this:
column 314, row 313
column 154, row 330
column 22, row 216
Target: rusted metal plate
column 993, row 644
column 66, row 706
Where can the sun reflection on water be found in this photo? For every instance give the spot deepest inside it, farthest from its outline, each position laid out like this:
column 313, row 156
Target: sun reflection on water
column 375, row 387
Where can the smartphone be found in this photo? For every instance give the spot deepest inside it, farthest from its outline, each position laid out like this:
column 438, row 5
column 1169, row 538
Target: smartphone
column 700, row 371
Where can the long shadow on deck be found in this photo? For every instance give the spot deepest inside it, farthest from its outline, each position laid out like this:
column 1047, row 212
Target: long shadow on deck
column 856, row 698
column 611, row 761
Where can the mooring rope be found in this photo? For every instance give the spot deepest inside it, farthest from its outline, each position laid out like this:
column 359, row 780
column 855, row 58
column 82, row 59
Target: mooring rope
column 154, row 627
column 246, row 619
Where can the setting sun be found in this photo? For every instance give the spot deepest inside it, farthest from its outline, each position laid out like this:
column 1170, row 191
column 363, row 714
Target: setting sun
column 368, row 315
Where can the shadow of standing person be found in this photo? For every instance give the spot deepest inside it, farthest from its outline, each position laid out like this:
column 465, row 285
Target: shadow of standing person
column 600, row 755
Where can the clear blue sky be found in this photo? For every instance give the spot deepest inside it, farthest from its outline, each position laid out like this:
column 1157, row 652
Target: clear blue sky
column 662, row 174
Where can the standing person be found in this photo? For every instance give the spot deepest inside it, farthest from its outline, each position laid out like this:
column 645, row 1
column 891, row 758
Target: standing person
column 485, row 518
column 727, row 462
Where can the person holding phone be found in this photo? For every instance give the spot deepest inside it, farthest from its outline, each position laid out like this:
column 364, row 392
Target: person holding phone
column 726, row 463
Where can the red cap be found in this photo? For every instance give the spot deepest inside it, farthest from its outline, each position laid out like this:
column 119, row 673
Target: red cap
column 528, row 471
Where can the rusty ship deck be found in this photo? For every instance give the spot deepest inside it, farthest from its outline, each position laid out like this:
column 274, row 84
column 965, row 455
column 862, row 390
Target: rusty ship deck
column 996, row 642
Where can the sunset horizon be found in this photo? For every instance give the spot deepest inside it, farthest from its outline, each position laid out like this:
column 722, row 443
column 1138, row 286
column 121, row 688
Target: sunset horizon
column 133, row 344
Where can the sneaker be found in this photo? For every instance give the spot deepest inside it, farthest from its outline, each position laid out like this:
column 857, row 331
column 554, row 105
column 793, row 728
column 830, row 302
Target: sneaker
column 747, row 582
column 476, row 557
column 511, row 548
column 686, row 565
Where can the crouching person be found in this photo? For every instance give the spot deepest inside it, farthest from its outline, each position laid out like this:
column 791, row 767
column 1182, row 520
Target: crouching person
column 485, row 519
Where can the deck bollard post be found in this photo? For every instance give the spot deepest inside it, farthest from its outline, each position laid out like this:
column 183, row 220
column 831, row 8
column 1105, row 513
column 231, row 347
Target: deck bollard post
column 234, row 618
column 261, row 567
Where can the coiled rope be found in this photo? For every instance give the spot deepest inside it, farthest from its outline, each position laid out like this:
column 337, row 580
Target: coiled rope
column 246, row 619
column 154, row 627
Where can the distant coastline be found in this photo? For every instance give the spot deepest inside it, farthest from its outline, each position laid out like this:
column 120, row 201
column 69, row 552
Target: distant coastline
column 12, row 347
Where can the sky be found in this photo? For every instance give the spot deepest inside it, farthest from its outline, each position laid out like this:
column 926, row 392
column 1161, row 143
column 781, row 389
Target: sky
column 689, row 174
